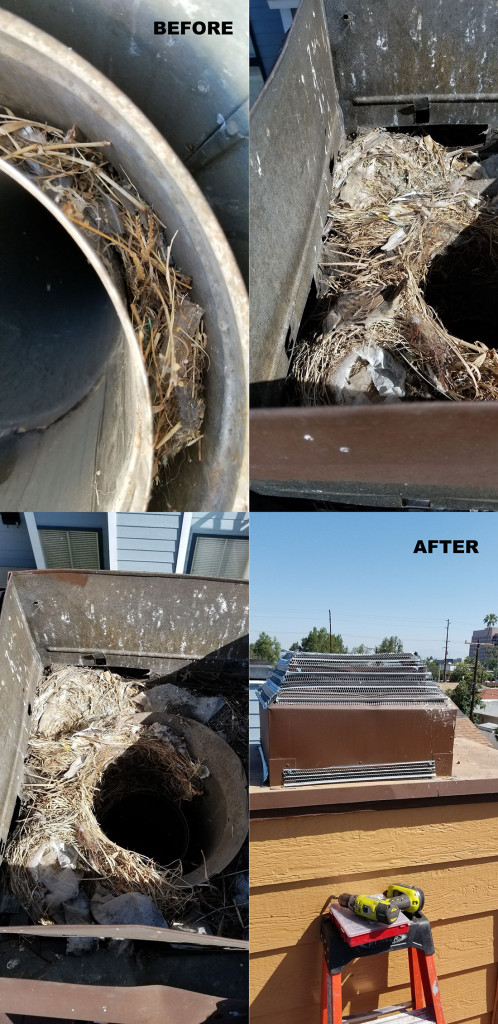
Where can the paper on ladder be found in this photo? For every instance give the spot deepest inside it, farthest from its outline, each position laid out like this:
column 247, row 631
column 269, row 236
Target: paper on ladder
column 357, row 930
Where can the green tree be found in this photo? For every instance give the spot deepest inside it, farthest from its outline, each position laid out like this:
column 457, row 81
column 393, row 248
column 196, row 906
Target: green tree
column 489, row 621
column 462, row 695
column 390, row 645
column 433, row 668
column 318, row 641
column 461, row 671
column 361, row 649
column 265, row 648
column 492, row 666
column 463, row 675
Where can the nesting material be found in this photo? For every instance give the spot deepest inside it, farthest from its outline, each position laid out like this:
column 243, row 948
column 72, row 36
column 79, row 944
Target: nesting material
column 368, row 374
column 131, row 240
column 404, row 207
column 84, row 721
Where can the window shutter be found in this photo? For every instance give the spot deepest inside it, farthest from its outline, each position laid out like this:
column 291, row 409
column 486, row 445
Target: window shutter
column 220, row 556
column 70, row 549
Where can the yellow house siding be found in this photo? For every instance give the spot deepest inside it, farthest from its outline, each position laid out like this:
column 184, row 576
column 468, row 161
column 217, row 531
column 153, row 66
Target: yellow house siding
column 305, row 846
column 450, row 850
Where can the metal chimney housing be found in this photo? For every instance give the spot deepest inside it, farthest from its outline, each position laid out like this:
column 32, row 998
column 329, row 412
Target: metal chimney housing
column 330, row 718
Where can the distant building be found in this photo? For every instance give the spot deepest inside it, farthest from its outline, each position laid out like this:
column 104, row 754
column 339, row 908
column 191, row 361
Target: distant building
column 485, row 636
column 258, row 672
column 450, row 664
column 487, row 719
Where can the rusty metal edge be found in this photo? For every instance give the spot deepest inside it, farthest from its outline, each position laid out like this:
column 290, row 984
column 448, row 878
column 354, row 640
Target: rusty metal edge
column 65, row 574
column 125, row 931
column 147, row 1004
column 414, row 443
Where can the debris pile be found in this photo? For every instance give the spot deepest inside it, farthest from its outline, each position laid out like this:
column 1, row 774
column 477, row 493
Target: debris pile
column 131, row 241
column 92, row 746
column 408, row 277
column 85, row 723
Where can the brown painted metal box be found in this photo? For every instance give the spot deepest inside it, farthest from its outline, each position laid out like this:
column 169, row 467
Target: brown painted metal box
column 339, row 718
column 310, row 738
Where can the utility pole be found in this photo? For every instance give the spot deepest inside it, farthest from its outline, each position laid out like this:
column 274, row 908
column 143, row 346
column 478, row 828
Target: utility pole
column 330, row 631
column 446, row 651
column 472, row 700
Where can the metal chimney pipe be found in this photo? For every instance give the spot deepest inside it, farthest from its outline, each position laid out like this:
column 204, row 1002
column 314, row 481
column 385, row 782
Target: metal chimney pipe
column 41, row 78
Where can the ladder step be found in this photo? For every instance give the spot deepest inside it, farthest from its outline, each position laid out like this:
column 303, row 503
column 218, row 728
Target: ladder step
column 387, row 1016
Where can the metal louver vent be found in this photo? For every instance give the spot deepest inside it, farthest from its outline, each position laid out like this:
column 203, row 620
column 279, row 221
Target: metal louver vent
column 359, row 695
column 70, row 549
column 353, row 679
column 358, row 773
column 220, row 556
column 301, row 679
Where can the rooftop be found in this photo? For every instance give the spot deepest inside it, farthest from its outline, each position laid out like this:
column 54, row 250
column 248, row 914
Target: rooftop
column 490, row 708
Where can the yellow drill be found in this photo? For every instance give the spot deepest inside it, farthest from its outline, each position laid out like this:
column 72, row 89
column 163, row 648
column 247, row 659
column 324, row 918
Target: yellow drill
column 385, row 911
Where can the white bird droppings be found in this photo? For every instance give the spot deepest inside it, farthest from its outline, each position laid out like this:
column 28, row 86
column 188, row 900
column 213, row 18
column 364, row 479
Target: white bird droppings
column 346, row 450
column 308, row 437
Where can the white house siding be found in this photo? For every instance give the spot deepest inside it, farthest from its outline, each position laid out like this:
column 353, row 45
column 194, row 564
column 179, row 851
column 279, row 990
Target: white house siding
column 15, row 549
column 254, row 685
column 147, row 542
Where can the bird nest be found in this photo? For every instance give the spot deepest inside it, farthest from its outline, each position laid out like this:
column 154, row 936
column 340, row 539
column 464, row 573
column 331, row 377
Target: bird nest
column 85, row 728
column 408, row 278
column 128, row 235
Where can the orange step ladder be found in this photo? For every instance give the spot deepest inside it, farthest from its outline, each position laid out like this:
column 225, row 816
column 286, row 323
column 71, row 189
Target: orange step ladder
column 344, row 940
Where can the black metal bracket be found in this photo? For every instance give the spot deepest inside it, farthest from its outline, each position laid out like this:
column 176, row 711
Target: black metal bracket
column 338, row 953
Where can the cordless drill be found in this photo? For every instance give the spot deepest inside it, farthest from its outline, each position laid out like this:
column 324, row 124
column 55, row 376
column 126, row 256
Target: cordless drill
column 405, row 897
column 385, row 911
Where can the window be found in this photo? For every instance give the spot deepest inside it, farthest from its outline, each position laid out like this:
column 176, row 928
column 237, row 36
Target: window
column 11, row 519
column 219, row 556
column 71, row 549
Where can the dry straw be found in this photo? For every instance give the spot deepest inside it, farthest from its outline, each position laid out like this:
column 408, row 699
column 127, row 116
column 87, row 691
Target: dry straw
column 399, row 203
column 131, row 238
column 85, row 722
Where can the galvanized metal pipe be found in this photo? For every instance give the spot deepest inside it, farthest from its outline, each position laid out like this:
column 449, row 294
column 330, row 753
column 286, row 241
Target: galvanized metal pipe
column 41, row 78
column 194, row 88
column 75, row 415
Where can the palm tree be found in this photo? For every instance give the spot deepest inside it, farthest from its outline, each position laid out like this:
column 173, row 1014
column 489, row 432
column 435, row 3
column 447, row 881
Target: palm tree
column 490, row 621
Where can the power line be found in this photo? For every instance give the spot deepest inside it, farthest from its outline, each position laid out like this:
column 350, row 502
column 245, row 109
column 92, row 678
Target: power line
column 372, row 636
column 388, row 617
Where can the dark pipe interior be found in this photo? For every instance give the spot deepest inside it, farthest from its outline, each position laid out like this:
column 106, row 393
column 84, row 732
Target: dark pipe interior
column 136, row 811
column 148, row 824
column 57, row 323
column 462, row 286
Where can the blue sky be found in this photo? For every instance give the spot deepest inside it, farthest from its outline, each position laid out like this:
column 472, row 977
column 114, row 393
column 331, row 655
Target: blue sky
column 362, row 567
